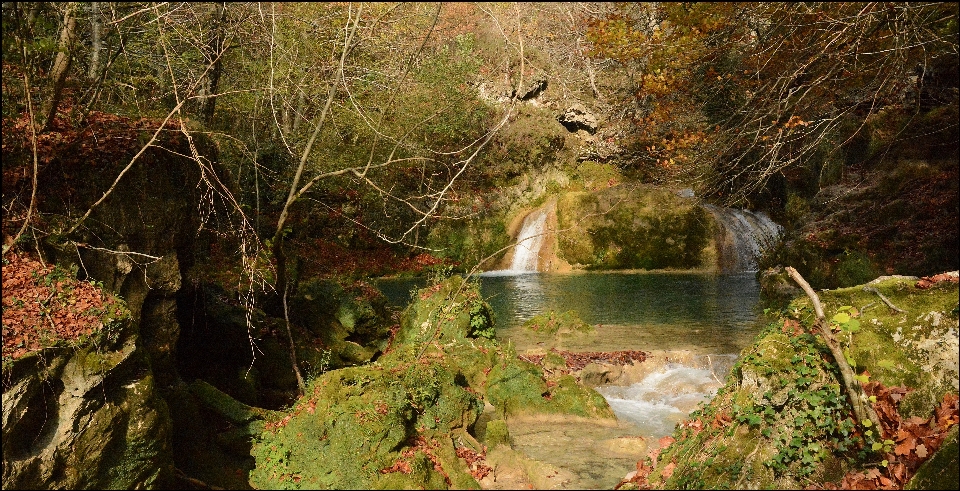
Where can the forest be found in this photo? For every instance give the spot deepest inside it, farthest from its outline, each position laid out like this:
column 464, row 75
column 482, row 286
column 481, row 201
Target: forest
column 204, row 205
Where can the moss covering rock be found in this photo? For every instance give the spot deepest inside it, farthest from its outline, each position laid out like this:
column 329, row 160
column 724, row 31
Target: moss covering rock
column 634, row 227
column 86, row 414
column 782, row 421
column 398, row 422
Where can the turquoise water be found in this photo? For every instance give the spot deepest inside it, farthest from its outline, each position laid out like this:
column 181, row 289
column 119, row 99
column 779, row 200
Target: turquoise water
column 702, row 312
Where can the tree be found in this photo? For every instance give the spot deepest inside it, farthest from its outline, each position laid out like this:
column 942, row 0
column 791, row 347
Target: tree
column 768, row 86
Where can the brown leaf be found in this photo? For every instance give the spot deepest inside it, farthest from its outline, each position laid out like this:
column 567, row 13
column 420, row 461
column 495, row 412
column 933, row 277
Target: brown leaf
column 668, row 470
column 921, row 451
column 666, row 441
column 905, row 447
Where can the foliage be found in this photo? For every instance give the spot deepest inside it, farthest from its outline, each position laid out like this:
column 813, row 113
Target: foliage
column 744, row 91
column 781, row 418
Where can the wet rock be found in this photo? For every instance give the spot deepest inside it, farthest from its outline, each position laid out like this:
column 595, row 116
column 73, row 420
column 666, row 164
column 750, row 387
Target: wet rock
column 596, row 374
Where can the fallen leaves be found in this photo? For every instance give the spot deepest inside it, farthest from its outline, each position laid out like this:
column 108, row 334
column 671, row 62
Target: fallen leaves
column 476, row 462
column 43, row 305
column 916, row 439
column 928, row 281
column 576, row 360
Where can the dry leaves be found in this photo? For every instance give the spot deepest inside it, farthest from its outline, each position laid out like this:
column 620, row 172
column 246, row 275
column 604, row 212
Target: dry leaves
column 43, row 305
column 915, row 438
column 576, row 360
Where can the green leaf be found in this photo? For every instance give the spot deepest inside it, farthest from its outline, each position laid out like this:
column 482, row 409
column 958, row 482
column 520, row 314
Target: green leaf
column 850, row 360
column 845, row 307
column 853, row 325
column 884, row 463
column 862, row 378
column 841, row 318
column 885, row 364
column 876, row 446
column 867, row 423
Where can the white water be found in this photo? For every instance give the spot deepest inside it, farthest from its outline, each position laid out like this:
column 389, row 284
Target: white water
column 665, row 397
column 747, row 235
column 526, row 255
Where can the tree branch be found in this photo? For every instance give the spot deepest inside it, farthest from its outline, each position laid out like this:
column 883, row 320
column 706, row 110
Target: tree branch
column 861, row 408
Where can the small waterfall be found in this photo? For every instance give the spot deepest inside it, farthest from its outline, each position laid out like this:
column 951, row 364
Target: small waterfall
column 526, row 254
column 664, row 397
column 744, row 237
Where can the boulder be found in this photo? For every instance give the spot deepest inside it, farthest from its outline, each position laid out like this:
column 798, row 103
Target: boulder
column 577, row 117
column 533, row 88
column 85, row 417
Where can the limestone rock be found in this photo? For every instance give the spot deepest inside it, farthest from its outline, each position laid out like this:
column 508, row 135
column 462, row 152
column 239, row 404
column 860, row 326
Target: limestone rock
column 85, row 418
column 577, row 117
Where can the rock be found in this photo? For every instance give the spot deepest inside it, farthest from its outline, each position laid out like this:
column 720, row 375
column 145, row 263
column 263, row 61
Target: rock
column 85, row 417
column 941, row 471
column 776, row 285
column 596, row 374
column 577, row 117
column 533, row 88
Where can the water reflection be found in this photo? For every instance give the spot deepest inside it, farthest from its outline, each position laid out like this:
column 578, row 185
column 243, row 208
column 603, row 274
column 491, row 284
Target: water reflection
column 706, row 313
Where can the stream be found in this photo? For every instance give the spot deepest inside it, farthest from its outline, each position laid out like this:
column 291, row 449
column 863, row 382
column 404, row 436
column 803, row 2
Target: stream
column 696, row 322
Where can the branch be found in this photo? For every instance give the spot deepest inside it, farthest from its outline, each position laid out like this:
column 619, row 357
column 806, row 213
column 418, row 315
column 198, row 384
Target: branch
column 33, row 144
column 883, row 298
column 862, row 410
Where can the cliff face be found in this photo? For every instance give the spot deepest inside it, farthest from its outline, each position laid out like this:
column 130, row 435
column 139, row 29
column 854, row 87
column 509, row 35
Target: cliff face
column 91, row 413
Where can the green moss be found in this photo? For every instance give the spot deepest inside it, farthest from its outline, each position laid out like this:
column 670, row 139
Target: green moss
column 941, row 471
column 633, row 228
column 497, row 433
column 551, row 323
column 789, row 422
column 355, row 427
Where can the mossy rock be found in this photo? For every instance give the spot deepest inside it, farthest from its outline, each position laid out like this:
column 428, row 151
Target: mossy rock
column 395, row 423
column 941, row 471
column 782, row 420
column 635, row 227
column 551, row 323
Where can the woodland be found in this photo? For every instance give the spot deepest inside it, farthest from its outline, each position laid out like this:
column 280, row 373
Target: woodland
column 199, row 198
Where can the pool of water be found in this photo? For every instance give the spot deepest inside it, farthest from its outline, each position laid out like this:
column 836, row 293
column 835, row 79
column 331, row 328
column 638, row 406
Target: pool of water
column 702, row 312
column 710, row 315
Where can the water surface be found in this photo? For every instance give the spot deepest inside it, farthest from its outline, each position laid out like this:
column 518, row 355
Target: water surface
column 702, row 312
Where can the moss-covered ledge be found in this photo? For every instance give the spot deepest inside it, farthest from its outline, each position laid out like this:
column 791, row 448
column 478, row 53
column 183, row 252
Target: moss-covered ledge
column 781, row 420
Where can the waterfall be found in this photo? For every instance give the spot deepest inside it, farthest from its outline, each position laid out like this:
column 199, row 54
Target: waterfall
column 744, row 236
column 526, row 254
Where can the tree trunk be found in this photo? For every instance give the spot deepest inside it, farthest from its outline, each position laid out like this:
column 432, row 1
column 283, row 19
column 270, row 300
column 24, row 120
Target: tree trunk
column 61, row 66
column 215, row 50
column 96, row 42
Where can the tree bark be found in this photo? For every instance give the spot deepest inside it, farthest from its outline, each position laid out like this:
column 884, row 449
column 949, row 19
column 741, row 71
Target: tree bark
column 96, row 42
column 215, row 50
column 861, row 408
column 61, row 65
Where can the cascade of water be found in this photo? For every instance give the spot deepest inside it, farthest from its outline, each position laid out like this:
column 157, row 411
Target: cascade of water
column 526, row 255
column 746, row 235
column 659, row 401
